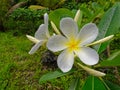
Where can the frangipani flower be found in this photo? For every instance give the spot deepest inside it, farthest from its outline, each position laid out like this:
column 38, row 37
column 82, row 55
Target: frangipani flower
column 74, row 43
column 41, row 35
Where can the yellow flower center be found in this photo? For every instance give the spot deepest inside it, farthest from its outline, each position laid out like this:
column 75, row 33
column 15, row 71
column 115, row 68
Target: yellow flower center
column 73, row 44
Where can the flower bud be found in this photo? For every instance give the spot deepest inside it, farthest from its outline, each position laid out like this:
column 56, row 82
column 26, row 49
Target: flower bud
column 55, row 28
column 92, row 71
column 77, row 16
column 34, row 40
column 101, row 40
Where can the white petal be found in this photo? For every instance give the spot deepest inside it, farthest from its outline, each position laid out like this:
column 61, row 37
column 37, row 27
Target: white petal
column 35, row 47
column 41, row 32
column 87, row 55
column 69, row 27
column 46, row 24
column 57, row 43
column 65, row 61
column 46, row 19
column 88, row 33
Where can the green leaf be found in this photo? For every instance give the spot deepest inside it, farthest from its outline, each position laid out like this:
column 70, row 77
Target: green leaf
column 112, row 86
column 113, row 60
column 86, row 11
column 75, row 85
column 97, row 13
column 93, row 83
column 53, row 75
column 57, row 14
column 109, row 24
column 96, row 6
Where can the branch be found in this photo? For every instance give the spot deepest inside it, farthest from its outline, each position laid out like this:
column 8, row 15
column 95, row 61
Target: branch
column 13, row 8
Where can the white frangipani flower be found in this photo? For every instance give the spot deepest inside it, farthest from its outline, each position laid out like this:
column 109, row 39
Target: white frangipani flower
column 74, row 43
column 41, row 35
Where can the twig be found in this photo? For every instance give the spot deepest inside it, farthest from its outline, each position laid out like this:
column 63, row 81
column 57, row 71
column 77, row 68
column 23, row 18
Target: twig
column 18, row 5
column 108, row 51
column 117, row 74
